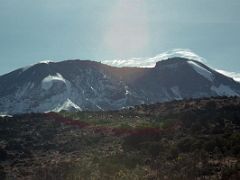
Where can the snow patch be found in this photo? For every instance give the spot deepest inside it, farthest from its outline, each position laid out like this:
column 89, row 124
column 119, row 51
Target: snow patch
column 175, row 90
column 99, row 107
column 201, row 70
column 48, row 81
column 31, row 85
column 23, row 90
column 127, row 92
column 224, row 90
column 45, row 62
column 68, row 105
column 5, row 115
column 167, row 96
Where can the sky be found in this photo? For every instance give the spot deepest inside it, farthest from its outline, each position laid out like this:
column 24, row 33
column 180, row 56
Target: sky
column 32, row 31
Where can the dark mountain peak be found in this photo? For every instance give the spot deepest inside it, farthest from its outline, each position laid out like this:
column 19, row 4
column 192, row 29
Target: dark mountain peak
column 177, row 60
column 78, row 61
column 172, row 61
column 90, row 85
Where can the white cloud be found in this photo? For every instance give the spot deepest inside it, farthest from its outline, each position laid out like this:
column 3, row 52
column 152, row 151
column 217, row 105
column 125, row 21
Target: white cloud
column 151, row 62
column 234, row 75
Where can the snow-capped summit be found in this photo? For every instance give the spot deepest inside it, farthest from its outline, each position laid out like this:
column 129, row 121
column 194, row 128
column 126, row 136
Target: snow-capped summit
column 76, row 85
column 151, row 62
column 45, row 62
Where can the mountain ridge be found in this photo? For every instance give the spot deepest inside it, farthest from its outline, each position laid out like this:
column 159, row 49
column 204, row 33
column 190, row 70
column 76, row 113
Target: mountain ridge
column 90, row 85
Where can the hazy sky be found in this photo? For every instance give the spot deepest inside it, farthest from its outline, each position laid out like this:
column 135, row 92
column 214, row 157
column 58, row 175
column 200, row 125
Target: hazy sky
column 35, row 30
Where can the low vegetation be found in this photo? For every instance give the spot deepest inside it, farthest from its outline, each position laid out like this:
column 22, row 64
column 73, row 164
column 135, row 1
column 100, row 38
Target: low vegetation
column 192, row 139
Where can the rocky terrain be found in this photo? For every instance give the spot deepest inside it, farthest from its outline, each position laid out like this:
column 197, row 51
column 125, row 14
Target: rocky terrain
column 190, row 139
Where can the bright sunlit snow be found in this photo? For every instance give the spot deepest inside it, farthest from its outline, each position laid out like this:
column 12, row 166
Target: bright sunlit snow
column 45, row 62
column 151, row 62
column 201, row 70
column 48, row 81
column 234, row 75
column 67, row 106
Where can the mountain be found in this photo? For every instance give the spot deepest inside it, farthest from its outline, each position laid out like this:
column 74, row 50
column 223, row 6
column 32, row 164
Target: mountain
column 77, row 85
column 151, row 61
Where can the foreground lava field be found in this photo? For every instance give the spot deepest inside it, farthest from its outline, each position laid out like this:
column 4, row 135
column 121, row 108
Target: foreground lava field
column 191, row 139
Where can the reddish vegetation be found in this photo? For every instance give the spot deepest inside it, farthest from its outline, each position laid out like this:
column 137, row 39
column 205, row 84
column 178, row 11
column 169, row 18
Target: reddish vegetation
column 67, row 121
column 149, row 131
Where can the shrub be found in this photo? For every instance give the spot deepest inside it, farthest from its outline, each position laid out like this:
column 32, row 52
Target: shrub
column 184, row 145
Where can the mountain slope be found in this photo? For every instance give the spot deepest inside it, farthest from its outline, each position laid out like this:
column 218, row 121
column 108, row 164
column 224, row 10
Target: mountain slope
column 89, row 85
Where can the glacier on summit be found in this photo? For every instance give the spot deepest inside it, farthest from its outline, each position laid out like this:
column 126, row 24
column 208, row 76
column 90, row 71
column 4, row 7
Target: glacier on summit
column 76, row 85
column 151, row 62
